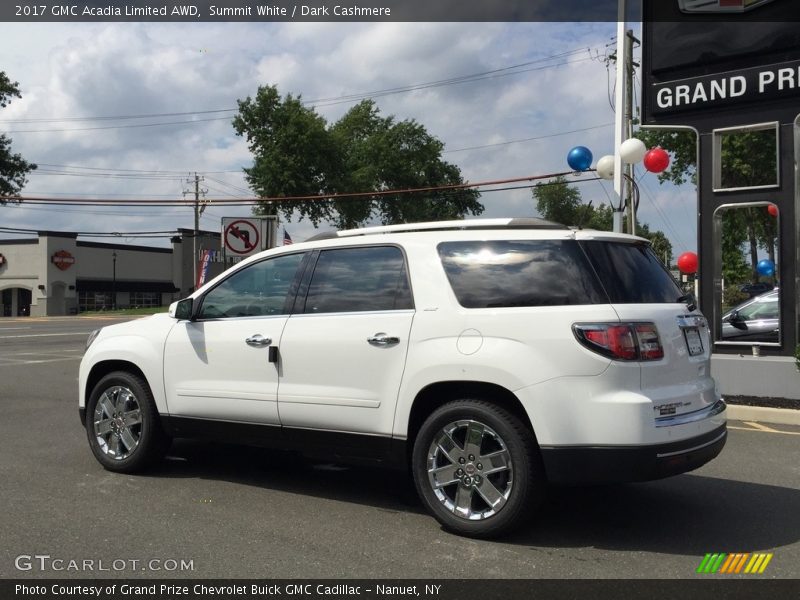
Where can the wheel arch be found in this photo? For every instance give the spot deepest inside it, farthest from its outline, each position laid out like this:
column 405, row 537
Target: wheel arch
column 103, row 368
column 437, row 394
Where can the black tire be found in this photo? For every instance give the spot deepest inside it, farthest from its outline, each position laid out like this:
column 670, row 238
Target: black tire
column 123, row 424
column 480, row 500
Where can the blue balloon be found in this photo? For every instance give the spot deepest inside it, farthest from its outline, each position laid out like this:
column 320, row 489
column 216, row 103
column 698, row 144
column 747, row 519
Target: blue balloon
column 579, row 158
column 765, row 267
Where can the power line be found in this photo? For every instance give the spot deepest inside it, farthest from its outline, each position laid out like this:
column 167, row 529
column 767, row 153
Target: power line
column 136, row 126
column 118, row 117
column 181, row 172
column 96, row 233
column 251, row 201
column 667, row 222
column 540, row 137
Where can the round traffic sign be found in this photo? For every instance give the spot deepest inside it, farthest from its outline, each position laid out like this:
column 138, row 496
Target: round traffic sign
column 242, row 237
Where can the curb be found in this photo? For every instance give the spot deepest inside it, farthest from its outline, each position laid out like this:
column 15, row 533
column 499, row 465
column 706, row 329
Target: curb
column 781, row 416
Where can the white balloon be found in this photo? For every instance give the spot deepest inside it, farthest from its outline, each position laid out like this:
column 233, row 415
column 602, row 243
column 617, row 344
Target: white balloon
column 605, row 167
column 632, row 150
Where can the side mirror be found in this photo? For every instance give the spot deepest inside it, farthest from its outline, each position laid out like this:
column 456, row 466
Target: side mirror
column 183, row 310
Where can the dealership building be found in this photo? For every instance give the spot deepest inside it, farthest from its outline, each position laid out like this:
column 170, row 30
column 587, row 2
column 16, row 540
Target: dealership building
column 55, row 273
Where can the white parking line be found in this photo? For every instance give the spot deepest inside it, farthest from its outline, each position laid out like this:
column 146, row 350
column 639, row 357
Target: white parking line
column 8, row 337
column 14, row 328
column 18, row 363
column 757, row 427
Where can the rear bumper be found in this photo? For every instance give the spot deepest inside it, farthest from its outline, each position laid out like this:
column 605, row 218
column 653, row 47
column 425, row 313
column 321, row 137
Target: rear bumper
column 618, row 464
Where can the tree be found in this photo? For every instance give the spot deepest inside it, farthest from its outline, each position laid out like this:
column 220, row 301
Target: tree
column 296, row 153
column 13, row 169
column 557, row 201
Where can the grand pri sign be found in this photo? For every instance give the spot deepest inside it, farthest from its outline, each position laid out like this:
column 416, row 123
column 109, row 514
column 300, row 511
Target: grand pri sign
column 717, row 60
column 756, row 84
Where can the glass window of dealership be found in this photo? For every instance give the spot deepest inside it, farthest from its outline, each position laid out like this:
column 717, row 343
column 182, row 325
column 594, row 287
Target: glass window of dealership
column 55, row 273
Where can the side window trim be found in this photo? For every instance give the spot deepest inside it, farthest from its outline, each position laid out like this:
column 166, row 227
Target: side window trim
column 299, row 303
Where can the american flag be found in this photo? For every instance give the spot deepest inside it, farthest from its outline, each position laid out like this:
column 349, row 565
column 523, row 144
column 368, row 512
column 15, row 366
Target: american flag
column 287, row 239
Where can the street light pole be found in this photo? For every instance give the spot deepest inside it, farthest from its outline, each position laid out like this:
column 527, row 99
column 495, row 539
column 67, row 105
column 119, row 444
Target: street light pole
column 114, row 280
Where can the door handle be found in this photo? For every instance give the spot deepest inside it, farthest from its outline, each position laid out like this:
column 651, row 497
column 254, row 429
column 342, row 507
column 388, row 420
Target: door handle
column 258, row 340
column 381, row 339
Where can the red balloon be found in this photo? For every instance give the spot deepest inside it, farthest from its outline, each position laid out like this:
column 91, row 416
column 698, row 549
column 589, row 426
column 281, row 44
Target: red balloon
column 656, row 160
column 687, row 263
column 772, row 210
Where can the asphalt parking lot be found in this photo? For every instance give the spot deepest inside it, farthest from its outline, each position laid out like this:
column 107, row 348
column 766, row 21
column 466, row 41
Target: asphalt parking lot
column 227, row 511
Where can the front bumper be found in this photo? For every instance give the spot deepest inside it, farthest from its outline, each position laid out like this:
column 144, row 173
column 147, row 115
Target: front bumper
column 619, row 464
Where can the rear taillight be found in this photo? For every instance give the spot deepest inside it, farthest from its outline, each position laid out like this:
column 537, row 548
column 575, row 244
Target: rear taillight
column 621, row 341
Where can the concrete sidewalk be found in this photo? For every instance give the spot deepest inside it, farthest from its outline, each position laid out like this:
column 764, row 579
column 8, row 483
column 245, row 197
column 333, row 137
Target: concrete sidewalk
column 782, row 416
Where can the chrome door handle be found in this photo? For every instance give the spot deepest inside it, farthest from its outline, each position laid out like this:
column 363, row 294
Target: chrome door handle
column 381, row 339
column 258, row 340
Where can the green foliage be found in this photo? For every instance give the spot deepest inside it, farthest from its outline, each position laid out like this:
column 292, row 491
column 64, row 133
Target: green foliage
column 296, row 153
column 13, row 169
column 557, row 201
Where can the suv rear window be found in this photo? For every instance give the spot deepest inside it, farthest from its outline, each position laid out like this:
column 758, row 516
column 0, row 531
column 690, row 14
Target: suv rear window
column 631, row 273
column 488, row 274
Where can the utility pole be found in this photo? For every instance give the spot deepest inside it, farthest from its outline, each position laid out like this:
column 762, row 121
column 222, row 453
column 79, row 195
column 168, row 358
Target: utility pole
column 620, row 127
column 198, row 210
column 629, row 124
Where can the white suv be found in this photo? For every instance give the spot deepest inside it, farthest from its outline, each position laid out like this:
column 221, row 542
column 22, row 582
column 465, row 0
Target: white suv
column 487, row 356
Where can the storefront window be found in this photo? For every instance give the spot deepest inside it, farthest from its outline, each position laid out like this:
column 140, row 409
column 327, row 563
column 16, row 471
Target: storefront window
column 145, row 299
column 94, row 301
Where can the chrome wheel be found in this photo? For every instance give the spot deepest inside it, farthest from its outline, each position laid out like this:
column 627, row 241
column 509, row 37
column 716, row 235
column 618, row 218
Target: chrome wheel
column 470, row 470
column 117, row 422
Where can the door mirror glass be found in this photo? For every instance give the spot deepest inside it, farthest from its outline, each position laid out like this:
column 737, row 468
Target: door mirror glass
column 746, row 274
column 182, row 310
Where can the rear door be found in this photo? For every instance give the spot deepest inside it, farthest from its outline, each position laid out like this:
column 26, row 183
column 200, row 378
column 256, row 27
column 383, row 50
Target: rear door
column 642, row 290
column 344, row 348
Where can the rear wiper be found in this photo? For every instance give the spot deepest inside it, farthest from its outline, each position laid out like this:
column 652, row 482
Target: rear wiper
column 691, row 304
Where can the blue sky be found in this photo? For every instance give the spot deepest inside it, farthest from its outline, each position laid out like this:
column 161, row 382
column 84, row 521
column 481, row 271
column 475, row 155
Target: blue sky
column 79, row 70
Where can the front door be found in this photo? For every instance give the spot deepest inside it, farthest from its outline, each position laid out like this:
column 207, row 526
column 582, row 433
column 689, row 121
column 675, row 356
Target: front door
column 218, row 366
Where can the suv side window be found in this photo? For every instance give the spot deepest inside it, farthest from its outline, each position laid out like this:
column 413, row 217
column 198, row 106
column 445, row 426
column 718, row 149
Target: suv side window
column 259, row 289
column 359, row 279
column 491, row 274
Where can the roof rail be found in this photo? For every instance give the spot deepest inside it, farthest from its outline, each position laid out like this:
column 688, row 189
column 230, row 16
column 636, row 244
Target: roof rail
column 513, row 223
